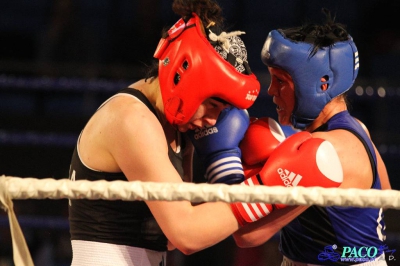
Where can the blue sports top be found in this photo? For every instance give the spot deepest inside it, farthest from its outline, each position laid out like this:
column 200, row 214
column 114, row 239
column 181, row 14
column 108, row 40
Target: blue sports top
column 318, row 228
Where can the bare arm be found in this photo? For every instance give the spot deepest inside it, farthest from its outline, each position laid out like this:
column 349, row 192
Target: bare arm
column 139, row 148
column 259, row 232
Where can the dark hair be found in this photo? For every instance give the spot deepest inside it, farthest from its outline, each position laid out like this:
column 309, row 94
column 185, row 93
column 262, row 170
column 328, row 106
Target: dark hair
column 319, row 35
column 207, row 10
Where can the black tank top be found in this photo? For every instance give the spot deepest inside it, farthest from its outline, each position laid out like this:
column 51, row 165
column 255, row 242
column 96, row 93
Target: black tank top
column 117, row 222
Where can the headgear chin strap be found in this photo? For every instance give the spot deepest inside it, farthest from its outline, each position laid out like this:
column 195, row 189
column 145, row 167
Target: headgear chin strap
column 191, row 70
column 338, row 64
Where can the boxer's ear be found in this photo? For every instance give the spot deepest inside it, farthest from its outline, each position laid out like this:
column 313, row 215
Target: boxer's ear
column 324, row 86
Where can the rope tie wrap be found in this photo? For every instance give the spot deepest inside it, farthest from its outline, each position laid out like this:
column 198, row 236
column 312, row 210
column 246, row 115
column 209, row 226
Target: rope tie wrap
column 21, row 254
column 223, row 38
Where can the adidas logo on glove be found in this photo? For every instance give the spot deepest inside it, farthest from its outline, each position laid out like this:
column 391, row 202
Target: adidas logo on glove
column 289, row 178
column 203, row 132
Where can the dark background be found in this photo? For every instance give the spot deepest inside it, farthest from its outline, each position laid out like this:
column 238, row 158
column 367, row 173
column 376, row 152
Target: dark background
column 60, row 59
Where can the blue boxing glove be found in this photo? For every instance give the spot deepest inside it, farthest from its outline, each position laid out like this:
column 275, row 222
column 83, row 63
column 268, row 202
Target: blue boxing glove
column 218, row 146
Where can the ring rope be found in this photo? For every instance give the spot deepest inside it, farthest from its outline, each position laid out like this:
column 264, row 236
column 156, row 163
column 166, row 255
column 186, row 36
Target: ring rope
column 25, row 188
column 33, row 188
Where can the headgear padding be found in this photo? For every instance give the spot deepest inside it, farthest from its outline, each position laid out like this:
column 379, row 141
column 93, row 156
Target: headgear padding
column 191, row 70
column 337, row 63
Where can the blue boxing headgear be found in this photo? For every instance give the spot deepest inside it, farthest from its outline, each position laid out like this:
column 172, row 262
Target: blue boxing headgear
column 337, row 63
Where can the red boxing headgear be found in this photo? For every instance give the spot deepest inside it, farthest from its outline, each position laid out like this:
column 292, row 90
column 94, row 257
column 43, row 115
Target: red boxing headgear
column 191, row 70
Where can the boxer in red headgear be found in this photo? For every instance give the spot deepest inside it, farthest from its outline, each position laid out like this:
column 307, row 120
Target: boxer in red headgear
column 136, row 136
column 191, row 70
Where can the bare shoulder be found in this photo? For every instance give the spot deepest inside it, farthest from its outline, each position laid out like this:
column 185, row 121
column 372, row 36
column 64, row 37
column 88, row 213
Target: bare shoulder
column 121, row 118
column 129, row 112
column 138, row 144
column 343, row 141
column 353, row 157
column 120, row 122
column 132, row 123
column 337, row 137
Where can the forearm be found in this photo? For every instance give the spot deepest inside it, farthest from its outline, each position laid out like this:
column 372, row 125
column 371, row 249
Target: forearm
column 257, row 233
column 194, row 228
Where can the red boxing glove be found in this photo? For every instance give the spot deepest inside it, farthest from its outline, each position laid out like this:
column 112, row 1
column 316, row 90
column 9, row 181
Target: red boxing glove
column 300, row 160
column 251, row 170
column 260, row 139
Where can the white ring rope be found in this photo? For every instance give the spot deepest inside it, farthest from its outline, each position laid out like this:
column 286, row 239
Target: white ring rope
column 48, row 188
column 32, row 188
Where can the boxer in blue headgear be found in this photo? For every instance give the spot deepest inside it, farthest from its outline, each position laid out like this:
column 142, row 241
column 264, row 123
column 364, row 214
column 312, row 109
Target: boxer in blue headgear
column 325, row 72
column 311, row 68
